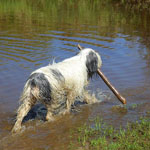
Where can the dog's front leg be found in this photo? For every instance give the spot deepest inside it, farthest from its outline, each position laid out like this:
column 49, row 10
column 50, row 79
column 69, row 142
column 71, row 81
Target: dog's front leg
column 70, row 100
column 68, row 106
column 89, row 99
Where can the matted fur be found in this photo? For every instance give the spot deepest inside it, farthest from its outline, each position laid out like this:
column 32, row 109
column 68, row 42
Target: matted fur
column 58, row 85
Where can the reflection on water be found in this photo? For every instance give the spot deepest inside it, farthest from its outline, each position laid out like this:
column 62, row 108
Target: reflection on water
column 34, row 34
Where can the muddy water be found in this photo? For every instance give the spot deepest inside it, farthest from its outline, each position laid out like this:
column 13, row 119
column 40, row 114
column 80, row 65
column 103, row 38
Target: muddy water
column 34, row 34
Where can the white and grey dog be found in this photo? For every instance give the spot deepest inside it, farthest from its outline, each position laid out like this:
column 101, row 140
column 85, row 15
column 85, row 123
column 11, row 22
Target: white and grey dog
column 58, row 85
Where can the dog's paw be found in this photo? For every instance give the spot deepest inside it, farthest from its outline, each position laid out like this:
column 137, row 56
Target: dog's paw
column 50, row 118
column 16, row 129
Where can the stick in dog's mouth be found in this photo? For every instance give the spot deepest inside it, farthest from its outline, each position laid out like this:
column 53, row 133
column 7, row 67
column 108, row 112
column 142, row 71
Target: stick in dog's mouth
column 100, row 73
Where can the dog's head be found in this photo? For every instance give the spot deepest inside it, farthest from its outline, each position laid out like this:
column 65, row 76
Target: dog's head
column 92, row 59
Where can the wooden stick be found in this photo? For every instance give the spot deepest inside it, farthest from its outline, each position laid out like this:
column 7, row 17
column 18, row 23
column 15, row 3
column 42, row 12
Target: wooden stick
column 118, row 95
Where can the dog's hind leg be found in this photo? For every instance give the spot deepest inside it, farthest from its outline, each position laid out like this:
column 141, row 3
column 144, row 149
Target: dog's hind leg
column 49, row 116
column 22, row 112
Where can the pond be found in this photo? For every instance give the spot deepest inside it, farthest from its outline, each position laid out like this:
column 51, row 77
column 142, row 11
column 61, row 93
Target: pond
column 34, row 34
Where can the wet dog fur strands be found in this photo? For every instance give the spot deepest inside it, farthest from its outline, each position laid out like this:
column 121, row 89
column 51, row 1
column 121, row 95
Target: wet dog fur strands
column 58, row 85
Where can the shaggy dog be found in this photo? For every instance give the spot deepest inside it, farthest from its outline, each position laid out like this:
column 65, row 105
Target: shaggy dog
column 58, row 85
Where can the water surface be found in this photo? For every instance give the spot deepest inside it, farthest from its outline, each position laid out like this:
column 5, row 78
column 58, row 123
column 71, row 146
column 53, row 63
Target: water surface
column 32, row 35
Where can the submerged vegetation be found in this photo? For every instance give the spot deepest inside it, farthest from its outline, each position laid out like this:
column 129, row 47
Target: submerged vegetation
column 27, row 16
column 136, row 4
column 136, row 136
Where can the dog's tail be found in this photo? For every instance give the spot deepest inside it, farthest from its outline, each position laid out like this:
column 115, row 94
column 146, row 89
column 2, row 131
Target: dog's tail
column 29, row 92
column 37, row 86
column 26, row 92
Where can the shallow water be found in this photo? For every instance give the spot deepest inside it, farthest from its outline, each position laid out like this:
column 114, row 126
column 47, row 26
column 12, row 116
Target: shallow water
column 33, row 35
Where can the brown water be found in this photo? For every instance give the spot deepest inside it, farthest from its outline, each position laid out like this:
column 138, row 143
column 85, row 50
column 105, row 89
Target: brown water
column 33, row 34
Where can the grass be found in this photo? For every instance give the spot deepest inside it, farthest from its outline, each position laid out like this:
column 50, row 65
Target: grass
column 136, row 136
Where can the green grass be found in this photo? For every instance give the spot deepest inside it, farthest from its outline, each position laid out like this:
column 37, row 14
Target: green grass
column 136, row 136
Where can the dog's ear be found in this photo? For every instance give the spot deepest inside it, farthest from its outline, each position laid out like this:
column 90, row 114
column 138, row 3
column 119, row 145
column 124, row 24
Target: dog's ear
column 91, row 63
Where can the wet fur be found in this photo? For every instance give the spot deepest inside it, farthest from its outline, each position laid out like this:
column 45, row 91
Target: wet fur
column 58, row 85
